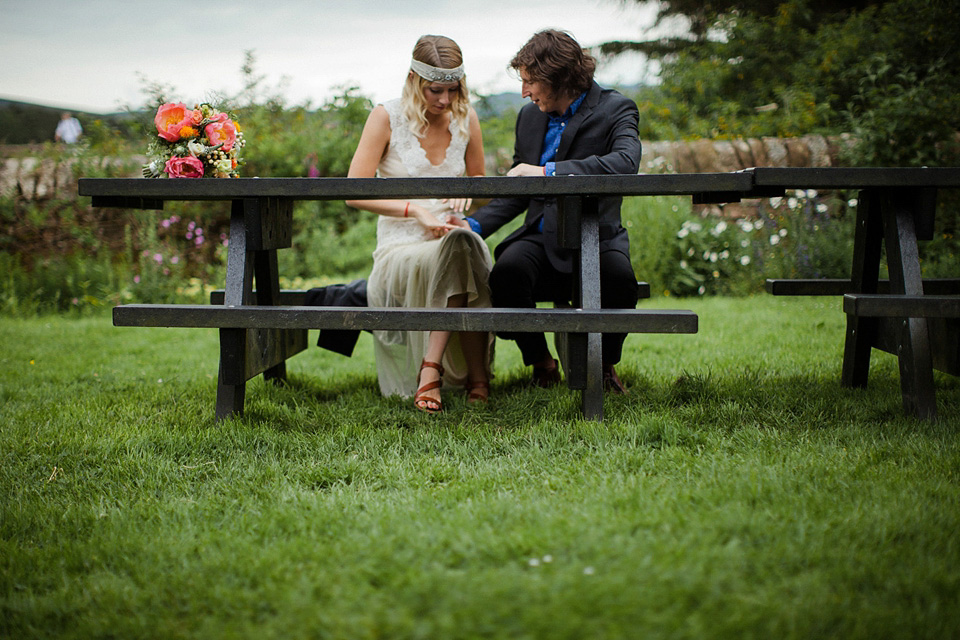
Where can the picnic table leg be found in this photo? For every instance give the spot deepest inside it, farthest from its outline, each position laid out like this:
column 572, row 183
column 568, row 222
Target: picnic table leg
column 589, row 283
column 864, row 273
column 268, row 293
column 231, row 379
column 913, row 341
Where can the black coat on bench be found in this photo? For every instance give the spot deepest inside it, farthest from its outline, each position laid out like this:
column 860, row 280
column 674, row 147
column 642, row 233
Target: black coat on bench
column 353, row 294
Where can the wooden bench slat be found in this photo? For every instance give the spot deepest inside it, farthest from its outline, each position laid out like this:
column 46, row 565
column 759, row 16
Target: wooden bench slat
column 402, row 319
column 900, row 306
column 841, row 286
column 295, row 297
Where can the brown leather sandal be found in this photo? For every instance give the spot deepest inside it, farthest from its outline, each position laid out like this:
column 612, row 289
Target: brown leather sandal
column 473, row 395
column 430, row 386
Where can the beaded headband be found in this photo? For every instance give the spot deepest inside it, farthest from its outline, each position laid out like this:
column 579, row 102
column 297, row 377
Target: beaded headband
column 436, row 74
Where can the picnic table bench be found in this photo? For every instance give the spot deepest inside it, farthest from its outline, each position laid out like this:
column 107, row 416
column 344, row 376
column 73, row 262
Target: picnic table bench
column 916, row 320
column 258, row 332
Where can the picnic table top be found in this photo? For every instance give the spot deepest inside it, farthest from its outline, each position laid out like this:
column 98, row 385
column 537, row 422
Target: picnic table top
column 476, row 187
column 854, row 177
column 733, row 183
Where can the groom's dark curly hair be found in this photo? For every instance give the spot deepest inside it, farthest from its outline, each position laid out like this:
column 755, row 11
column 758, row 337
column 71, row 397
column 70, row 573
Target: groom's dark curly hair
column 557, row 60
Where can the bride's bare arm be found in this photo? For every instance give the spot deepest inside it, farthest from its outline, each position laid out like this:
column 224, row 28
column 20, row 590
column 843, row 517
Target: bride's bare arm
column 370, row 151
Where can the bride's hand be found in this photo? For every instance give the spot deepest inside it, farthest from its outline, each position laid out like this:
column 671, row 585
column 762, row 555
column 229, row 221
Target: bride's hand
column 433, row 226
column 460, row 223
column 458, row 205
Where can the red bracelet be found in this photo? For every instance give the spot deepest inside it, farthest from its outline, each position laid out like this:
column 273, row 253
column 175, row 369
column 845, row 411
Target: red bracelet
column 406, row 210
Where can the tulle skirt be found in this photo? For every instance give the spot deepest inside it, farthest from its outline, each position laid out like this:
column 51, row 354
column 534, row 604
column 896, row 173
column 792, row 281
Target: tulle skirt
column 426, row 274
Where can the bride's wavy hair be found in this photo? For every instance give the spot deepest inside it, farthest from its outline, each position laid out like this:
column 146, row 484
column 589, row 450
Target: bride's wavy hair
column 442, row 52
column 555, row 59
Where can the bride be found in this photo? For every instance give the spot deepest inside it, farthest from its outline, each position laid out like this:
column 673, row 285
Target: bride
column 425, row 257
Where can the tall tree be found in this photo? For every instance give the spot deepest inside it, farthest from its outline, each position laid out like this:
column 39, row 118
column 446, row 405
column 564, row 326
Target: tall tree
column 887, row 71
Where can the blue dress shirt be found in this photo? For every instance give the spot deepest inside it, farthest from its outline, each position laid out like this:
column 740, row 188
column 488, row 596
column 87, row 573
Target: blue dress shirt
column 551, row 143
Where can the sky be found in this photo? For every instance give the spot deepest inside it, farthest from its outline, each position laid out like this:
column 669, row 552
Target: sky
column 99, row 55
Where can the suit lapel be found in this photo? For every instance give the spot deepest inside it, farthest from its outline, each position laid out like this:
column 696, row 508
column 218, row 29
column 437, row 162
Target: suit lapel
column 531, row 142
column 583, row 113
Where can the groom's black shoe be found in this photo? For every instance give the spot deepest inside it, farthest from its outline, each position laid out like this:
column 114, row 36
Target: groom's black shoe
column 611, row 381
column 546, row 376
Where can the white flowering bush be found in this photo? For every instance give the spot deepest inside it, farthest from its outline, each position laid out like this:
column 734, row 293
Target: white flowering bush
column 801, row 235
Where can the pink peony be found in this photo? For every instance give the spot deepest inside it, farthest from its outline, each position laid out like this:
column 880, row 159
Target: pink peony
column 222, row 132
column 171, row 118
column 187, row 167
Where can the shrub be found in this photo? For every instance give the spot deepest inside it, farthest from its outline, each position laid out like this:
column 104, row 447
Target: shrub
column 681, row 253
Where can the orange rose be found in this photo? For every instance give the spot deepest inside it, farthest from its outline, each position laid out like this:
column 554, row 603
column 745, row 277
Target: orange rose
column 221, row 133
column 170, row 119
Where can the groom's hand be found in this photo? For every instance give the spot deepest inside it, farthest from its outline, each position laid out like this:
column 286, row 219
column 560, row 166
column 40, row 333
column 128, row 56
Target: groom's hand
column 523, row 169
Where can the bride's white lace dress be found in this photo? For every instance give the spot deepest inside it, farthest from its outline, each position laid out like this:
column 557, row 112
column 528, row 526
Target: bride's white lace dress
column 413, row 269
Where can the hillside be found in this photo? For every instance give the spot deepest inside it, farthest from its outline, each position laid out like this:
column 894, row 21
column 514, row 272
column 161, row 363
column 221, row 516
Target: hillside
column 28, row 123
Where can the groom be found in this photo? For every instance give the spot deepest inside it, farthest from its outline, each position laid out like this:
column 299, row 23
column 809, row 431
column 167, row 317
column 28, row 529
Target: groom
column 571, row 127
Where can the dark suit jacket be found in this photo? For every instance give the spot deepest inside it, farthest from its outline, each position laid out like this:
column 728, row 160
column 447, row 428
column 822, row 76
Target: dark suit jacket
column 601, row 138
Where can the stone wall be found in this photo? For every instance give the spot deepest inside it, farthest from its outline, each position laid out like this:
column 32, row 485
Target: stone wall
column 44, row 176
column 707, row 156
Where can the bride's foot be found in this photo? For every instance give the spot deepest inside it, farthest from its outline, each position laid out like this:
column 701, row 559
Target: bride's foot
column 478, row 391
column 427, row 398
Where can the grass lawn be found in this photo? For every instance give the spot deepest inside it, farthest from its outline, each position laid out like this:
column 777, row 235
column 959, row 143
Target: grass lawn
column 737, row 492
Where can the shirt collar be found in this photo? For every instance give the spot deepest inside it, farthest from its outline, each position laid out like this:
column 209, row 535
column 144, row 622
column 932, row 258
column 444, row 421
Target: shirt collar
column 572, row 109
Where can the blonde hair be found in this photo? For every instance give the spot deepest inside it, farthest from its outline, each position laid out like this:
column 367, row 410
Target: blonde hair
column 442, row 52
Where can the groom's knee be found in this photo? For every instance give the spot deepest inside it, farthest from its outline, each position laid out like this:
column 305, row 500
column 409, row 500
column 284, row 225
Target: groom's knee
column 509, row 282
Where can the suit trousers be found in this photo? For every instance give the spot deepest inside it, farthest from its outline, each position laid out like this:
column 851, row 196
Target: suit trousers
column 522, row 276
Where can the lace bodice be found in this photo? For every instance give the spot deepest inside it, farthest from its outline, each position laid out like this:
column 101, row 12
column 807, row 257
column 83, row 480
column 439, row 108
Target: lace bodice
column 406, row 158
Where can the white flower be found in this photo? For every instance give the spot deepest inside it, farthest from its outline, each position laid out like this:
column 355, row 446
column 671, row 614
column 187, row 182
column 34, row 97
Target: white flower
column 713, row 257
column 695, row 227
column 800, row 193
column 783, row 233
column 724, row 254
column 745, row 225
column 720, row 228
column 534, row 562
column 702, row 290
column 822, row 208
column 744, row 260
column 196, row 148
column 852, row 203
column 811, row 193
column 758, row 225
column 792, row 203
column 683, row 233
column 744, row 243
column 547, row 559
column 775, row 202
column 774, row 239
column 589, row 571
column 224, row 165
column 683, row 264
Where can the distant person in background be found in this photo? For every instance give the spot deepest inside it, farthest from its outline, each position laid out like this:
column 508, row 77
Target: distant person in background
column 68, row 129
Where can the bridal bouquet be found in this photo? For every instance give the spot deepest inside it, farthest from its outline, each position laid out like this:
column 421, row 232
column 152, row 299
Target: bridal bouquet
column 194, row 143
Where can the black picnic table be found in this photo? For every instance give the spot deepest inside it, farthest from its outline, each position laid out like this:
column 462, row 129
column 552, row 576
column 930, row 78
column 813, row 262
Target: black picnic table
column 259, row 330
column 915, row 319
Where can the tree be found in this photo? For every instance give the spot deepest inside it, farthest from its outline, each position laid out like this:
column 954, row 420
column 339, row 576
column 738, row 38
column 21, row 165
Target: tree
column 887, row 71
